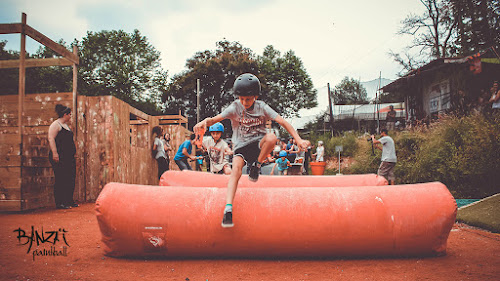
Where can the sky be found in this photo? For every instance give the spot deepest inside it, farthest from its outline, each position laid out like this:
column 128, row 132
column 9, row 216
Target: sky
column 333, row 38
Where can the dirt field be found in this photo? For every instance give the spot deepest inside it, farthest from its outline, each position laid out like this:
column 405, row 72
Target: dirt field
column 472, row 255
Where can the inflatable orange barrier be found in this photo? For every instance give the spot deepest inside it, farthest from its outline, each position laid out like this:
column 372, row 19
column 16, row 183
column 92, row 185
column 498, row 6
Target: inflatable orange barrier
column 362, row 221
column 202, row 179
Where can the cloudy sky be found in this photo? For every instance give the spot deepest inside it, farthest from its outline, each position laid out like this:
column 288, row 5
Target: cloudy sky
column 334, row 38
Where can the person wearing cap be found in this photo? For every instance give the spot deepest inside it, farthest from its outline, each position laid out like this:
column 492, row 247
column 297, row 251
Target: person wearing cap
column 251, row 142
column 320, row 152
column 217, row 149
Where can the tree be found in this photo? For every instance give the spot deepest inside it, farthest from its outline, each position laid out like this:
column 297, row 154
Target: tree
column 217, row 71
column 123, row 65
column 287, row 86
column 9, row 77
column 38, row 79
column 350, row 91
column 478, row 24
column 449, row 28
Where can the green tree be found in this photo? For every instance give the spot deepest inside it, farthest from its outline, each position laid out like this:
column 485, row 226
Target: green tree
column 217, row 71
column 478, row 24
column 350, row 91
column 124, row 65
column 9, row 77
column 287, row 86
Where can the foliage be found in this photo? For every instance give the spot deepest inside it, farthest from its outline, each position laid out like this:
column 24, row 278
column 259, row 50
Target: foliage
column 124, row 65
column 217, row 71
column 478, row 24
column 288, row 87
column 348, row 141
column 350, row 91
column 448, row 28
column 461, row 152
column 38, row 79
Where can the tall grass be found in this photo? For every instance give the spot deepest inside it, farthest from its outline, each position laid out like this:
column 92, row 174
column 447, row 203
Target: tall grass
column 463, row 153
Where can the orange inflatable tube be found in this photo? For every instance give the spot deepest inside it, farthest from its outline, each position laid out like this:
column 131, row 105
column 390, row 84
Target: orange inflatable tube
column 202, row 179
column 361, row 221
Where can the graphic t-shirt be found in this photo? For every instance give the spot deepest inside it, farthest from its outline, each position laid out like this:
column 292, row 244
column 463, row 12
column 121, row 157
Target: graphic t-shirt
column 282, row 164
column 248, row 126
column 216, row 153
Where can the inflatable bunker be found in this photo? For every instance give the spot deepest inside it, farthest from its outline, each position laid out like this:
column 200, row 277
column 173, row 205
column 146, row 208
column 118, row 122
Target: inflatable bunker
column 360, row 221
column 201, row 179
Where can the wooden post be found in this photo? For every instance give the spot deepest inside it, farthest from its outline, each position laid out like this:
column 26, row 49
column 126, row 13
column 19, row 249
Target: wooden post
column 22, row 88
column 75, row 99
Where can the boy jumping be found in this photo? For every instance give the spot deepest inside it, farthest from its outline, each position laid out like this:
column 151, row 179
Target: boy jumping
column 251, row 142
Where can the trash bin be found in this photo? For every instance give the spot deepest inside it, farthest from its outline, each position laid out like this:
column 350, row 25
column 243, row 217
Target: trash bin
column 317, row 168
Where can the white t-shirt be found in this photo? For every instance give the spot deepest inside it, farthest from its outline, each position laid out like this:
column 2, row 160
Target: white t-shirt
column 160, row 149
column 216, row 154
column 388, row 149
column 320, row 152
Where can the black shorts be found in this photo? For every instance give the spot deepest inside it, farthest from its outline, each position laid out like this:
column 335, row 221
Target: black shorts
column 249, row 153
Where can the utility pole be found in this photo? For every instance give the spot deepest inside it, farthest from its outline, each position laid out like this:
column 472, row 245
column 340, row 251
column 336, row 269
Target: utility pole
column 330, row 107
column 197, row 101
column 377, row 103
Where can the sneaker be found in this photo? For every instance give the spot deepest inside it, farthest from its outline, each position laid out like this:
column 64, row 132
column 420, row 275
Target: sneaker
column 254, row 172
column 227, row 220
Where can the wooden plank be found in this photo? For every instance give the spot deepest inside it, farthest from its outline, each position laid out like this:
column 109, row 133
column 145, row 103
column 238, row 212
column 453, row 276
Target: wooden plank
column 10, row 193
column 10, row 160
column 46, row 41
column 4, row 64
column 10, row 28
column 10, row 177
column 10, row 205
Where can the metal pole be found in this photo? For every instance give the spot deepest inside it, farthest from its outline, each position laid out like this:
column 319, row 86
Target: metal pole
column 197, row 100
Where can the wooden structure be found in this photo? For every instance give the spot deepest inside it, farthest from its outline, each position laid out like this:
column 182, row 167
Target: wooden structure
column 113, row 139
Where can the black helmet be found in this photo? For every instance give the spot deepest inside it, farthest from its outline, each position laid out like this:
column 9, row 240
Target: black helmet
column 246, row 84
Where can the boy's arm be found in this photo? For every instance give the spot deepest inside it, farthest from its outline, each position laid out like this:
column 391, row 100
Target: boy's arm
column 300, row 142
column 207, row 122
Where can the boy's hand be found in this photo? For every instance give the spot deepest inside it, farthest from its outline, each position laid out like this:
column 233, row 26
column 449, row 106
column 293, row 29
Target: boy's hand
column 201, row 127
column 303, row 143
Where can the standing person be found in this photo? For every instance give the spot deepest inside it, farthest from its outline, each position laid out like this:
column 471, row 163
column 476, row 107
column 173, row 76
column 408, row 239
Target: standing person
column 495, row 96
column 320, row 152
column 62, row 158
column 159, row 151
column 217, row 149
column 283, row 164
column 168, row 148
column 307, row 159
column 251, row 142
column 391, row 119
column 388, row 159
column 184, row 152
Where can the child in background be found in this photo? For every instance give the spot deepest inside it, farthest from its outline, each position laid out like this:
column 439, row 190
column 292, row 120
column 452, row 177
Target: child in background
column 184, row 152
column 320, row 152
column 217, row 149
column 251, row 142
column 283, row 164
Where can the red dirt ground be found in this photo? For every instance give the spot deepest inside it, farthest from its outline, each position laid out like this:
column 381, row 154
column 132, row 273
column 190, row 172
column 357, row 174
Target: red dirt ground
column 472, row 255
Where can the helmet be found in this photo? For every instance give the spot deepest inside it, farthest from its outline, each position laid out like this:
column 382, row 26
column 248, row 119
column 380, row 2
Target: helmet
column 282, row 153
column 246, row 84
column 217, row 127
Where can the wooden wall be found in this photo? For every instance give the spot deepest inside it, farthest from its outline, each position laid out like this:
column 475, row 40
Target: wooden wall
column 110, row 147
column 27, row 185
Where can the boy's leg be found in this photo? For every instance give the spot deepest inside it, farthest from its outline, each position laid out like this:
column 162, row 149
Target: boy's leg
column 232, row 185
column 266, row 145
